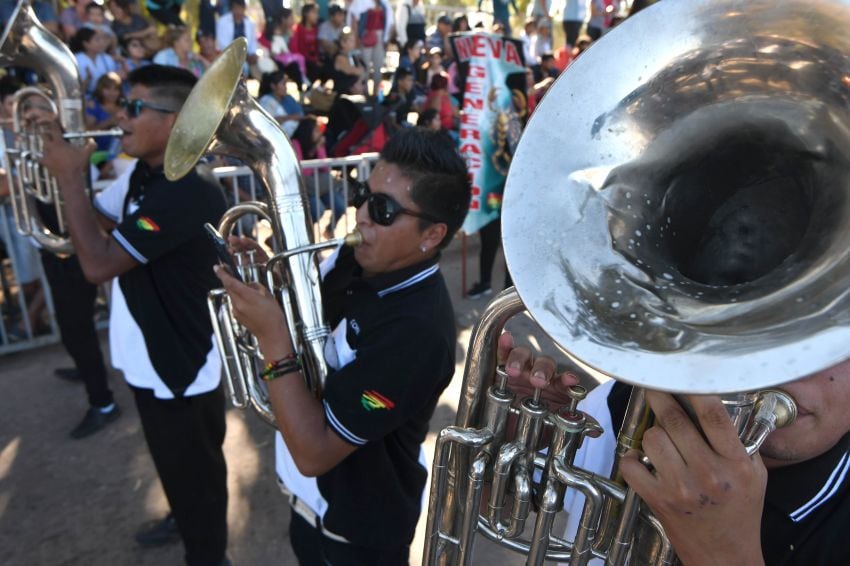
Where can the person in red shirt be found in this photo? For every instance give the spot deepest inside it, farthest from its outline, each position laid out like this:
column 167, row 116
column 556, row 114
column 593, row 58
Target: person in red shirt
column 305, row 40
column 440, row 100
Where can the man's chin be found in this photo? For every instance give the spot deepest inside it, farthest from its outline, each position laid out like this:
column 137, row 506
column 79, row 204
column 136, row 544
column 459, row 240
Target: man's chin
column 786, row 446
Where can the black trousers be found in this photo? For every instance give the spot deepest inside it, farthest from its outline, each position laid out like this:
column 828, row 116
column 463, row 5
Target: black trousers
column 491, row 241
column 184, row 437
column 571, row 31
column 314, row 549
column 74, row 300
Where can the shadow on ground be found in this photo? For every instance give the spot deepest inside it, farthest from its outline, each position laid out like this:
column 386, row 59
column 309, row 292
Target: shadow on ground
column 79, row 502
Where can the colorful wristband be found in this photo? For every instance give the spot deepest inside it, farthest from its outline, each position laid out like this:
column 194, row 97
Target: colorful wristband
column 281, row 367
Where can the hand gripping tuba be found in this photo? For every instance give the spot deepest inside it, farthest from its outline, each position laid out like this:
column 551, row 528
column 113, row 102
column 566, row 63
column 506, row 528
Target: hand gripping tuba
column 221, row 118
column 702, row 105
column 27, row 43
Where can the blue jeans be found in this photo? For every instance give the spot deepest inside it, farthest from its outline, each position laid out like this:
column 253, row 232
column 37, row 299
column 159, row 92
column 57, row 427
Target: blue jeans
column 326, row 195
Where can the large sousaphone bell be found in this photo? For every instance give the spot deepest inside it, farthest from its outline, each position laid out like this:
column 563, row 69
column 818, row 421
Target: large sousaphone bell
column 690, row 111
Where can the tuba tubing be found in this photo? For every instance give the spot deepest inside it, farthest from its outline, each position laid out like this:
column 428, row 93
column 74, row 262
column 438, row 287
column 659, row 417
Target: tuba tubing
column 468, row 457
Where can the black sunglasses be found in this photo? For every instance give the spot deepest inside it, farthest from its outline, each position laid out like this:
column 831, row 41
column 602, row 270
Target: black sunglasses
column 383, row 209
column 134, row 107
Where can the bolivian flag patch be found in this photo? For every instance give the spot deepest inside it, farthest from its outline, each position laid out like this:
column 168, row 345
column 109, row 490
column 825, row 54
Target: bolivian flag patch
column 146, row 224
column 372, row 400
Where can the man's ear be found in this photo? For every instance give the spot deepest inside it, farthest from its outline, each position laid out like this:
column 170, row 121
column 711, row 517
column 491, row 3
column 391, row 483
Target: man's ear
column 434, row 234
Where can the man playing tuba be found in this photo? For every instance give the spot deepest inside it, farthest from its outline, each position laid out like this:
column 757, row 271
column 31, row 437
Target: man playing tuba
column 147, row 233
column 353, row 460
column 787, row 504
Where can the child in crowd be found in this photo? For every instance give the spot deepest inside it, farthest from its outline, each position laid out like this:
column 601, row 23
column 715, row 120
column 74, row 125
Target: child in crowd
column 323, row 190
column 434, row 65
column 89, row 46
column 276, row 40
column 135, row 56
column 440, row 100
column 96, row 20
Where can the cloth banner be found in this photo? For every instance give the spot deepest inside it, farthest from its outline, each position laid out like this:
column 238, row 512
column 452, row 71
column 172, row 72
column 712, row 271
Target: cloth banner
column 492, row 73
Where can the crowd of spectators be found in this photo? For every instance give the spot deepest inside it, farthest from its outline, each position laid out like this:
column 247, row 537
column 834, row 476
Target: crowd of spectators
column 327, row 50
column 322, row 72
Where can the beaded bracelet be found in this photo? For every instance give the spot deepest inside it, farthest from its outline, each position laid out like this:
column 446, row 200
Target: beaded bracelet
column 281, row 367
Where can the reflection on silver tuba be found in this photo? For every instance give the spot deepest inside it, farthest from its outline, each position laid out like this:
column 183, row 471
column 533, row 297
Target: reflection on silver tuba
column 613, row 191
column 221, row 118
column 27, row 43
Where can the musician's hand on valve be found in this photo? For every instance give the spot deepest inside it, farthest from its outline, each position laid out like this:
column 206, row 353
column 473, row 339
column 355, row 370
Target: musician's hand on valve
column 526, row 373
column 245, row 244
column 705, row 490
column 257, row 310
column 61, row 158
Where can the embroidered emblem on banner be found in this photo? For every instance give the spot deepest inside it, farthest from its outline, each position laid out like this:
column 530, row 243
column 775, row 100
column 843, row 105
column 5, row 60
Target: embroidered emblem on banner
column 372, row 400
column 146, row 224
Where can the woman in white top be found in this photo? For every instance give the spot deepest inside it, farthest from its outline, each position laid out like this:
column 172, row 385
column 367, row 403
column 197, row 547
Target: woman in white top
column 89, row 46
column 179, row 53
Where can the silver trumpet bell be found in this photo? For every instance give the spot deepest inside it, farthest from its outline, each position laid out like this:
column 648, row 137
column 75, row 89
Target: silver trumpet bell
column 685, row 113
column 220, row 117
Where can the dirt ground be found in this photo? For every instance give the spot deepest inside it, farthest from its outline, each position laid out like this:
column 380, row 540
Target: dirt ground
column 79, row 502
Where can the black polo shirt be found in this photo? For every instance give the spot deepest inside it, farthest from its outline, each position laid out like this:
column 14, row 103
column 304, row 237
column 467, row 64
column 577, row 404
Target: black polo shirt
column 806, row 516
column 160, row 330
column 393, row 349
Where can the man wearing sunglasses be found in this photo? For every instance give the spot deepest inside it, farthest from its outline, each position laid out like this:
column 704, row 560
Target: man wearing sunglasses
column 352, row 460
column 146, row 234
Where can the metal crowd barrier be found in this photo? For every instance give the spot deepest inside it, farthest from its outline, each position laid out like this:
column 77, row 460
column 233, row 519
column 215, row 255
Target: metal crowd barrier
column 17, row 334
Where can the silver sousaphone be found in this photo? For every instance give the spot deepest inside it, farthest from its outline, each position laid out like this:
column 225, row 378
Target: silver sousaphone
column 674, row 118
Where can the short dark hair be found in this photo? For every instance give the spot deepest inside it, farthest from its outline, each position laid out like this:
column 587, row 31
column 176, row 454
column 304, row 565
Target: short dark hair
column 402, row 73
column 335, row 9
column 426, row 116
column 238, row 2
column 82, row 36
column 170, row 86
column 440, row 179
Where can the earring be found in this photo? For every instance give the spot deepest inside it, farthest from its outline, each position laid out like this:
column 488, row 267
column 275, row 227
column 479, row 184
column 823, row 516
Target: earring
column 424, row 248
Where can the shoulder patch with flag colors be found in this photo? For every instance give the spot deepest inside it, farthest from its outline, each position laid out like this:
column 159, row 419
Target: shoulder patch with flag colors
column 146, row 224
column 373, row 400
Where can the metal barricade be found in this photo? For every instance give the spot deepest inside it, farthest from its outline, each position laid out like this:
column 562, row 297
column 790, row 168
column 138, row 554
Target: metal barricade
column 327, row 182
column 17, row 332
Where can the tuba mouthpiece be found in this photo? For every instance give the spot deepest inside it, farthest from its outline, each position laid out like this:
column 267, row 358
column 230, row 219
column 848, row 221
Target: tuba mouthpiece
column 353, row 238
